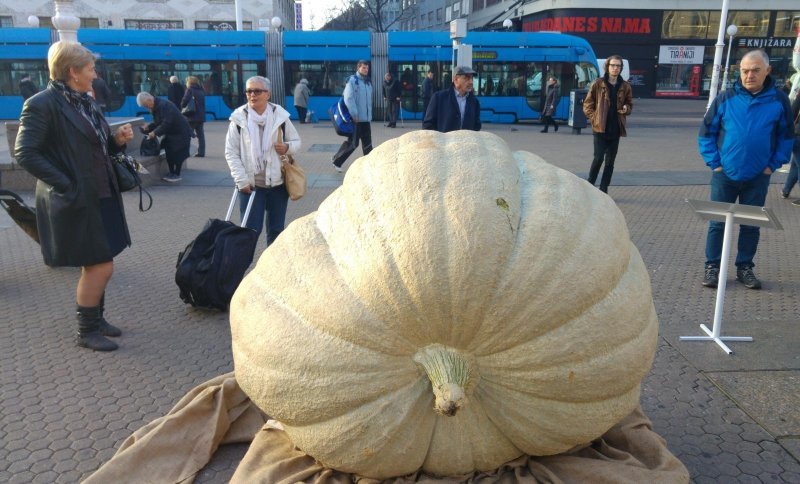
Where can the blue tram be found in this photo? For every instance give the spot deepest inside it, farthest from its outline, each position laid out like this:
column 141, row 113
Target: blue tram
column 512, row 66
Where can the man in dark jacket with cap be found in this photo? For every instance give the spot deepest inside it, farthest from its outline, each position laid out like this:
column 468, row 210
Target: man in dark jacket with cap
column 456, row 107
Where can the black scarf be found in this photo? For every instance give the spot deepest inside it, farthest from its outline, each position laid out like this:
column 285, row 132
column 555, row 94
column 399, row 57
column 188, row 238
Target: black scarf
column 88, row 109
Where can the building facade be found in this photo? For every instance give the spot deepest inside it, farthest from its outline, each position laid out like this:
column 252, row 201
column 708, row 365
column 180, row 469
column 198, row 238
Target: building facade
column 669, row 44
column 156, row 14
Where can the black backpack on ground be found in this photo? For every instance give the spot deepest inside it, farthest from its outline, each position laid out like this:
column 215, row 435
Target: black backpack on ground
column 211, row 267
column 150, row 147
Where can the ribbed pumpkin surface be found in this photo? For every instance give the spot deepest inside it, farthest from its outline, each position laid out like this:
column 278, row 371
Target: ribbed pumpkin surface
column 447, row 244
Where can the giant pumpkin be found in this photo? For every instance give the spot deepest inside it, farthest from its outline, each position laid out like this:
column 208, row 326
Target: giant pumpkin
column 451, row 307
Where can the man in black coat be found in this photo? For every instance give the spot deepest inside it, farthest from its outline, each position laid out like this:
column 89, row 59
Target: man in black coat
column 427, row 91
column 455, row 108
column 391, row 96
column 175, row 91
column 102, row 94
column 169, row 123
column 26, row 87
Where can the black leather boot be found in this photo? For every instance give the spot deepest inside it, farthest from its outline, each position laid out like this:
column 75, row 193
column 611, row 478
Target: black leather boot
column 107, row 329
column 89, row 330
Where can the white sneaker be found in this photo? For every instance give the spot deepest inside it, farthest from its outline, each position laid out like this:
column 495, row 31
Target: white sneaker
column 336, row 167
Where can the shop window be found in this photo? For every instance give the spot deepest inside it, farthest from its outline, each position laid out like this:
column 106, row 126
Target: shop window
column 750, row 24
column 6, row 21
column 477, row 5
column 678, row 80
column 685, row 24
column 787, row 24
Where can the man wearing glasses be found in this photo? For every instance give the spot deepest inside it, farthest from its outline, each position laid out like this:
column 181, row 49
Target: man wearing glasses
column 746, row 135
column 608, row 104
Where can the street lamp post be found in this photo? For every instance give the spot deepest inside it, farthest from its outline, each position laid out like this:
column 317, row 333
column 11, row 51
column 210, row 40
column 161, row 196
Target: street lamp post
column 65, row 20
column 237, row 11
column 732, row 30
column 720, row 45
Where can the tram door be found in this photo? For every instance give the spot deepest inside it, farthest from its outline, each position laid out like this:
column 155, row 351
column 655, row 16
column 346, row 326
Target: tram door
column 411, row 74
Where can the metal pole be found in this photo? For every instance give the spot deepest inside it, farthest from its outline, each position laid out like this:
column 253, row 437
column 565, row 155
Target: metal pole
column 720, row 45
column 723, row 274
column 727, row 64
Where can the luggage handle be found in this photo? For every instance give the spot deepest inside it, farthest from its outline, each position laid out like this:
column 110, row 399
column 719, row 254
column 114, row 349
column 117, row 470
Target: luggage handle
column 233, row 204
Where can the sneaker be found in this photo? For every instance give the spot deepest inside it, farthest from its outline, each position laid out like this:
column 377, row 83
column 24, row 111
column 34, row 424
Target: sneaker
column 784, row 194
column 746, row 277
column 796, row 202
column 711, row 277
column 167, row 178
column 336, row 167
column 176, row 178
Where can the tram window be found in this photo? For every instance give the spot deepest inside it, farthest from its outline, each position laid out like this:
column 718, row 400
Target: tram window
column 149, row 77
column 585, row 74
column 325, row 78
column 566, row 74
column 12, row 72
column 112, row 73
column 499, row 79
column 411, row 74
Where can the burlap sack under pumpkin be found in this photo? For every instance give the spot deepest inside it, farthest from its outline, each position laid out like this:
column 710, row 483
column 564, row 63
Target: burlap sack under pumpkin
column 174, row 448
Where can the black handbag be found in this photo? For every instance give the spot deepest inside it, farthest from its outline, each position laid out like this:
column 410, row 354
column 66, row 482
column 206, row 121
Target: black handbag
column 127, row 170
column 190, row 108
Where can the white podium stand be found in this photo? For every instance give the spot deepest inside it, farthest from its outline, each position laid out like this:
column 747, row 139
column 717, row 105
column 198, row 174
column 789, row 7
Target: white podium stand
column 730, row 213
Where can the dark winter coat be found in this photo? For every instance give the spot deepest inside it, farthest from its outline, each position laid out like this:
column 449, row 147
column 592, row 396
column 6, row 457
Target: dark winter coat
column 443, row 114
column 427, row 88
column 102, row 94
column 391, row 89
column 56, row 145
column 27, row 88
column 173, row 126
column 200, row 102
column 175, row 93
column 551, row 100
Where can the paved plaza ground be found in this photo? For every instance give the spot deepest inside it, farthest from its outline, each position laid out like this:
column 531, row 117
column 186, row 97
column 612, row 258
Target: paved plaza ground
column 729, row 418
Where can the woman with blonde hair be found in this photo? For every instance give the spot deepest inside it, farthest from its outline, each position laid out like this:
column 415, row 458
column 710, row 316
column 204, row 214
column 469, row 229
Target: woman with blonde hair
column 65, row 142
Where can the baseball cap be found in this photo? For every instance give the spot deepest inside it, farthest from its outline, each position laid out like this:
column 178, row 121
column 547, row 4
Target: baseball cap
column 464, row 71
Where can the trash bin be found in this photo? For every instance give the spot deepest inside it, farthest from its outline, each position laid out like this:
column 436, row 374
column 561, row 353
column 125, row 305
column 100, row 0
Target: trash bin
column 577, row 120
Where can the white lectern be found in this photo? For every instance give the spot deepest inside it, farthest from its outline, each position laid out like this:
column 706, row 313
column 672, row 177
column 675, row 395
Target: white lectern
column 730, row 213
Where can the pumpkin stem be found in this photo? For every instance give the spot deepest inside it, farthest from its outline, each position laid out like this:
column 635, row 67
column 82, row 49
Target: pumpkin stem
column 450, row 372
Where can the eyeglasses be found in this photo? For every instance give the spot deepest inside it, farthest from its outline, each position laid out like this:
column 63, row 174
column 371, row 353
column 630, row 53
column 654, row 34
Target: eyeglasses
column 615, row 65
column 255, row 92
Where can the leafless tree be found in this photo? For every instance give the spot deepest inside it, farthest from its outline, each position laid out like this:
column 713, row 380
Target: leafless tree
column 349, row 16
column 374, row 15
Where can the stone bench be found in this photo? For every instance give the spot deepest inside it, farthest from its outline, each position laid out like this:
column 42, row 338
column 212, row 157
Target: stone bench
column 14, row 177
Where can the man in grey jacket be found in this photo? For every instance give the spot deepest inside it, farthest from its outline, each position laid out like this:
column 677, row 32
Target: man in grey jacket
column 358, row 98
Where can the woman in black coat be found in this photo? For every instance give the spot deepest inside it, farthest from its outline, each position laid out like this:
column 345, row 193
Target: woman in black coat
column 550, row 104
column 195, row 91
column 169, row 123
column 65, row 142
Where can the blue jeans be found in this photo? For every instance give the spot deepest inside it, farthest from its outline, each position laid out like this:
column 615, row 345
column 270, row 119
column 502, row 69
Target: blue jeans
column 271, row 200
column 750, row 192
column 793, row 167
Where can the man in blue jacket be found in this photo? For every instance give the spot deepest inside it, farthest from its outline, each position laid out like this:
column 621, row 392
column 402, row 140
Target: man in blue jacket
column 455, row 108
column 746, row 135
column 358, row 98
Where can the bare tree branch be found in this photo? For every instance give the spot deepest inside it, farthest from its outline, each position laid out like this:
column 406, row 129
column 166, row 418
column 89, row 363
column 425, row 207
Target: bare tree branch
column 374, row 15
